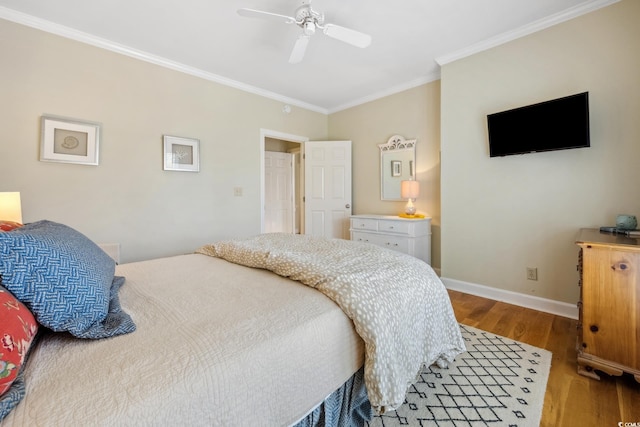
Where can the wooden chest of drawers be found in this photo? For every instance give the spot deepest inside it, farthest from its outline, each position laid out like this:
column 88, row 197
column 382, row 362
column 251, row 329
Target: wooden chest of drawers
column 411, row 236
column 609, row 307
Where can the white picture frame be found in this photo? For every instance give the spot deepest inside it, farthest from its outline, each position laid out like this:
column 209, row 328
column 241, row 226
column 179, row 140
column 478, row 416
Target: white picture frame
column 67, row 140
column 181, row 154
column 396, row 168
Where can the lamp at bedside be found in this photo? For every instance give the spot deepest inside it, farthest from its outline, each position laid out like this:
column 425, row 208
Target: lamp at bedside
column 10, row 207
column 409, row 190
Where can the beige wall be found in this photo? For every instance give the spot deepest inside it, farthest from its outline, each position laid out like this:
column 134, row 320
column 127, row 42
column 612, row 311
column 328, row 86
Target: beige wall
column 414, row 113
column 501, row 215
column 128, row 198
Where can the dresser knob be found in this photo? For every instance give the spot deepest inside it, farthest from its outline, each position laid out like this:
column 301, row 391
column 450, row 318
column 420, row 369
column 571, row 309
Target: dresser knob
column 593, row 328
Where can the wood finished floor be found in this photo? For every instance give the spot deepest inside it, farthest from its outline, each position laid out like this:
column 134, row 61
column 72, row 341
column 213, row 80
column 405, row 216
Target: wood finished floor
column 570, row 399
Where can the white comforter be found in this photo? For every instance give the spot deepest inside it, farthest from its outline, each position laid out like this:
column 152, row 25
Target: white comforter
column 398, row 304
column 217, row 344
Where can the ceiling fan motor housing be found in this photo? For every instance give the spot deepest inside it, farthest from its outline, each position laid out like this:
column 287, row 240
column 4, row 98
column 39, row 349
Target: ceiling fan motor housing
column 308, row 19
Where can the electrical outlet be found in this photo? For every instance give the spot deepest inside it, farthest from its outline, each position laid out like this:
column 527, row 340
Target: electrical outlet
column 532, row 273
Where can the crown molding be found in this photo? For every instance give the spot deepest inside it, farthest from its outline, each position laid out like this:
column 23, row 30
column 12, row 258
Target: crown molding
column 388, row 92
column 70, row 33
column 572, row 12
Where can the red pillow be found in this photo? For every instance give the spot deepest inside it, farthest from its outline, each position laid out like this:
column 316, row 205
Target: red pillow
column 17, row 330
column 8, row 225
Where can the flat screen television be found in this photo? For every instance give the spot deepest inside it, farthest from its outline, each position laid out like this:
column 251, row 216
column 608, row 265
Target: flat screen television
column 558, row 124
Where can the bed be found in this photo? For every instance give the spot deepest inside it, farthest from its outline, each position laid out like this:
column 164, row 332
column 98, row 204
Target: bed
column 226, row 336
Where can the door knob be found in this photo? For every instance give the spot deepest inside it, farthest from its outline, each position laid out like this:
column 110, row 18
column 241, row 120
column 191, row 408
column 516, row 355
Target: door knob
column 347, row 206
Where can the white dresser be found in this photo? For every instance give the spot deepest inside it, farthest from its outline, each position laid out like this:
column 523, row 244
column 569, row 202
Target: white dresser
column 411, row 236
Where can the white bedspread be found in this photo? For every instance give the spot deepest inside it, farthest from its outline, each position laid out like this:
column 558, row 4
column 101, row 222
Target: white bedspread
column 399, row 305
column 217, row 344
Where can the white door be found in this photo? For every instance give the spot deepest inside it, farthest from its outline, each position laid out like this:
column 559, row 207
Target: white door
column 327, row 166
column 278, row 181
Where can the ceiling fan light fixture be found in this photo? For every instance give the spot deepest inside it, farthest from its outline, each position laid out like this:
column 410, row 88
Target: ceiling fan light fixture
column 309, row 28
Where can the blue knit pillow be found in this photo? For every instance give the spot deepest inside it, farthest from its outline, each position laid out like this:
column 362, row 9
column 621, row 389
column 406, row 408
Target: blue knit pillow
column 64, row 278
column 13, row 396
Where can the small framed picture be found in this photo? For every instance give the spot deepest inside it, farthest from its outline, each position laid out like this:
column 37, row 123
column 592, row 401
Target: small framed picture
column 69, row 141
column 181, row 154
column 396, row 168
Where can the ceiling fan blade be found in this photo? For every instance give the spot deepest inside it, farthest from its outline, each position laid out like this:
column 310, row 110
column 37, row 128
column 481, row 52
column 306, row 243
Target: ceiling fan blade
column 347, row 35
column 252, row 13
column 298, row 49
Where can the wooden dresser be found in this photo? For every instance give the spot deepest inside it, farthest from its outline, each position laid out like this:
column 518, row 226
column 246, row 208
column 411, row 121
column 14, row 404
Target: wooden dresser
column 411, row 236
column 609, row 307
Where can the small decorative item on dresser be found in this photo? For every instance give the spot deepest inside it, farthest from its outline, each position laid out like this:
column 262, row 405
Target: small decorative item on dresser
column 410, row 190
column 626, row 222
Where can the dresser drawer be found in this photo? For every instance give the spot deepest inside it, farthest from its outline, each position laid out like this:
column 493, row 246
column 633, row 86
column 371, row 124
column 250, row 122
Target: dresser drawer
column 393, row 227
column 364, row 237
column 400, row 244
column 364, row 224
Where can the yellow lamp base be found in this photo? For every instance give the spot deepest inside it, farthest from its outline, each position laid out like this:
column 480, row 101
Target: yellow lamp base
column 414, row 216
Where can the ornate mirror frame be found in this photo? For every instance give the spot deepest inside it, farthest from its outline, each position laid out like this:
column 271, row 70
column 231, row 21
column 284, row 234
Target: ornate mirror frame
column 397, row 163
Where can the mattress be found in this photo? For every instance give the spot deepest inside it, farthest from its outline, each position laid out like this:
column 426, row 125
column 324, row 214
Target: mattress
column 398, row 304
column 216, row 344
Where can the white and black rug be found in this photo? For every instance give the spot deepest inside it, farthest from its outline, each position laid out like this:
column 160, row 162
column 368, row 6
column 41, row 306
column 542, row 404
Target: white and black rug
column 497, row 382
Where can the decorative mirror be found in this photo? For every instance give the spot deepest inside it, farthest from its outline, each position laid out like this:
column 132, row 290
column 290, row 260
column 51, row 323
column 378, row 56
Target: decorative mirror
column 397, row 164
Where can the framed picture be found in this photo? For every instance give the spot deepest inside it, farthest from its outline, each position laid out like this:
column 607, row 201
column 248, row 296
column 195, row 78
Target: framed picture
column 396, row 168
column 181, row 154
column 69, row 141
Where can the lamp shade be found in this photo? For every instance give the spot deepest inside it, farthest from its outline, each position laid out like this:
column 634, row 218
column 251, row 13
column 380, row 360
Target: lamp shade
column 409, row 189
column 10, row 207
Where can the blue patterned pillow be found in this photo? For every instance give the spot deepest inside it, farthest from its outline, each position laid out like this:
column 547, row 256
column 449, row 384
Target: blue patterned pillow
column 64, row 278
column 13, row 396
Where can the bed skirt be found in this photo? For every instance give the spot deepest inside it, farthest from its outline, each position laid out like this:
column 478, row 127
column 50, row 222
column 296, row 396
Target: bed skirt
column 347, row 406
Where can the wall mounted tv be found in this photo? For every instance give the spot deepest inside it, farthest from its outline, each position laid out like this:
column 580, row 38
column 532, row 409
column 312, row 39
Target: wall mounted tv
column 558, row 124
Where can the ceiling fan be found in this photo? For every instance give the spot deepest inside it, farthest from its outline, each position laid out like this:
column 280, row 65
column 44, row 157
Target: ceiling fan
column 310, row 20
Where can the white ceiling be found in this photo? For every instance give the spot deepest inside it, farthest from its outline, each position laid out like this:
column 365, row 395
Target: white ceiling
column 209, row 39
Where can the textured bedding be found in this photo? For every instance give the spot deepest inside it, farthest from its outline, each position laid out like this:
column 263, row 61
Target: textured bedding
column 398, row 304
column 216, row 344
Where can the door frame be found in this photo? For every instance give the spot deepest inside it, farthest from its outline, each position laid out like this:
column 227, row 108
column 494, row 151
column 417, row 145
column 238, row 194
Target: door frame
column 268, row 133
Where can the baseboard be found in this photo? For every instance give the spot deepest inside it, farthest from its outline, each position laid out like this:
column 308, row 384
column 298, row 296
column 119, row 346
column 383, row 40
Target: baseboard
column 529, row 301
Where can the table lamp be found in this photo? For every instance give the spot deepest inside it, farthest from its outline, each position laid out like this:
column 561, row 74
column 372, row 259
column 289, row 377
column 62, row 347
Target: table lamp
column 10, row 207
column 409, row 190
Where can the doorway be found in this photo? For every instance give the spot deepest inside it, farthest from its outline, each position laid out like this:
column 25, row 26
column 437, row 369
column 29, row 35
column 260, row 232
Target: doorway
column 277, row 205
column 321, row 184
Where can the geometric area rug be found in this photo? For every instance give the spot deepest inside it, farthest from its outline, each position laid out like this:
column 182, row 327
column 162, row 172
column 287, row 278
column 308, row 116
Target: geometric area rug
column 496, row 382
